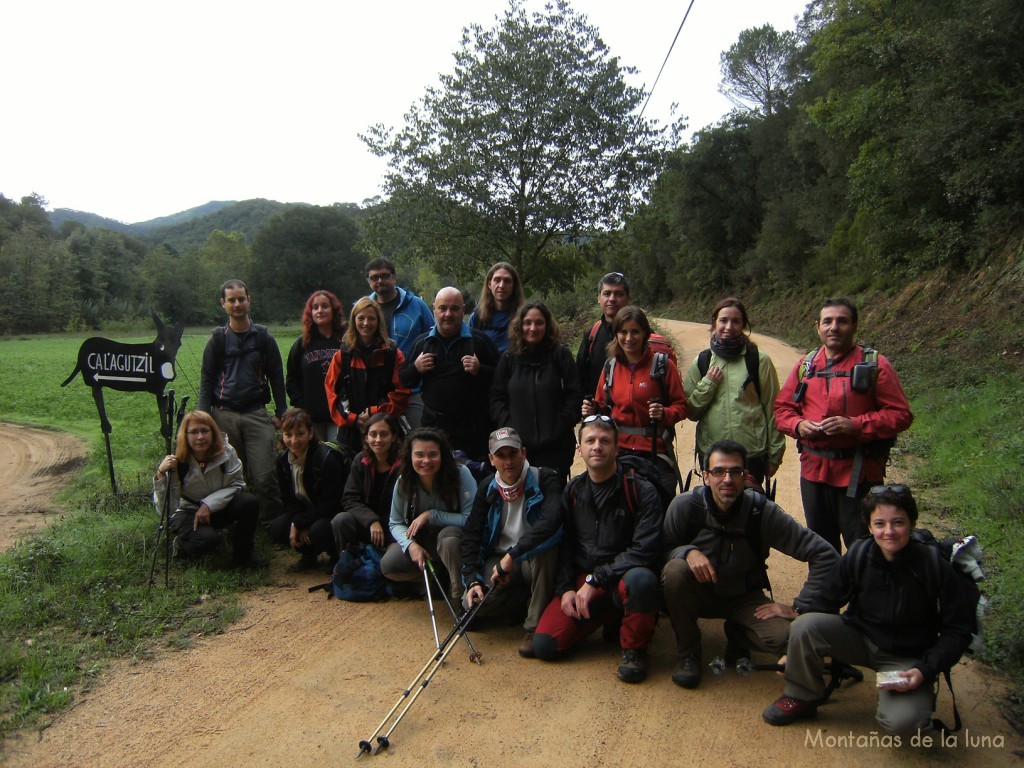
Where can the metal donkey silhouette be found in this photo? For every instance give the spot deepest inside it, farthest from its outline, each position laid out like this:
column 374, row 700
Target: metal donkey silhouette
column 130, row 368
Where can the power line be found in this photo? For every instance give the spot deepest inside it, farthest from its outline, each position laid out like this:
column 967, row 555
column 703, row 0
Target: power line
column 678, row 31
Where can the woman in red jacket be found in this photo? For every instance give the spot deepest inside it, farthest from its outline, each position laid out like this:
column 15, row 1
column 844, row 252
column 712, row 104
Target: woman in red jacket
column 642, row 392
column 363, row 376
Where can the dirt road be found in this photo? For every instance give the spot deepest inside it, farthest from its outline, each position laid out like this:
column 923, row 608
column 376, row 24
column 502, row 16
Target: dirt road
column 299, row 680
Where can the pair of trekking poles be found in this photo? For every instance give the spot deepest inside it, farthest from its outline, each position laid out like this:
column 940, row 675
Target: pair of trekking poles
column 443, row 649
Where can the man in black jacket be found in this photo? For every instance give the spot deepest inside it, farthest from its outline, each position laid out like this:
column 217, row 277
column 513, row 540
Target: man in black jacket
column 607, row 559
column 454, row 366
column 509, row 540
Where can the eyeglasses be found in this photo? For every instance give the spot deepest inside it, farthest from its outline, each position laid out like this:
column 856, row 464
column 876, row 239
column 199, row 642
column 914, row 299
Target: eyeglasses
column 898, row 490
column 736, row 472
column 598, row 417
column 379, row 277
column 198, row 432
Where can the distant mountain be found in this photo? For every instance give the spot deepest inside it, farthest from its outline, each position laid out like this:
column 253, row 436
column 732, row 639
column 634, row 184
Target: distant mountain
column 184, row 216
column 187, row 229
column 247, row 217
column 92, row 220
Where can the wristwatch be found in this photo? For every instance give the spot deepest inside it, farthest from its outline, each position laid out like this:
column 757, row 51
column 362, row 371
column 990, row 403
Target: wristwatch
column 592, row 581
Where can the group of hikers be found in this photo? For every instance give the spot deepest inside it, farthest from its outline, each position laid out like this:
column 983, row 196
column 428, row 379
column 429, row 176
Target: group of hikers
column 446, row 442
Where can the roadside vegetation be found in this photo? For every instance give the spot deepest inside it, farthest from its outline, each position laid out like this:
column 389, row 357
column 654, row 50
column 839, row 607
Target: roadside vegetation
column 76, row 595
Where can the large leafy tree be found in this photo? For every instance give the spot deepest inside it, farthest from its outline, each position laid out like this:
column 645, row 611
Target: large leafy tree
column 758, row 71
column 533, row 141
column 303, row 250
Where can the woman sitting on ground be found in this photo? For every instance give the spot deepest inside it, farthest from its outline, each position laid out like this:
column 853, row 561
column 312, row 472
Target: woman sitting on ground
column 432, row 500
column 363, row 376
column 311, row 477
column 907, row 614
column 536, row 389
column 727, row 402
column 366, row 500
column 202, row 482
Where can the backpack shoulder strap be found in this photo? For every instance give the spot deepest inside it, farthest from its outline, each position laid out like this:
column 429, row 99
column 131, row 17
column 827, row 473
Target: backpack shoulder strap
column 753, row 360
column 629, row 488
column 807, row 367
column 592, row 336
column 659, row 364
column 704, row 362
column 609, row 374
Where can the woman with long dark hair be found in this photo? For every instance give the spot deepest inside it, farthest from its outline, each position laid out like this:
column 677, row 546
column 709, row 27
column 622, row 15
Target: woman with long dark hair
column 311, row 477
column 202, row 482
column 536, row 389
column 432, row 500
column 363, row 375
column 500, row 300
column 323, row 323
column 730, row 390
column 366, row 501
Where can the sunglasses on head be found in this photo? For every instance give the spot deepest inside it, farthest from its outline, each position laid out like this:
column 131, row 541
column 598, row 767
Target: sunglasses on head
column 596, row 417
column 899, row 490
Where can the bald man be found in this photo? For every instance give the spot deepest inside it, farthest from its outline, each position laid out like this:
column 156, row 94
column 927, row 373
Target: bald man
column 454, row 365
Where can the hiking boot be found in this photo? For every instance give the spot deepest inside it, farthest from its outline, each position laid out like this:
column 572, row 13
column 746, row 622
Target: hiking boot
column 786, row 710
column 687, row 671
column 735, row 643
column 305, row 563
column 251, row 561
column 633, row 667
column 526, row 646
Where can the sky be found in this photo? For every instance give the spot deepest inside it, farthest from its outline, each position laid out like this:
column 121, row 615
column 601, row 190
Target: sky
column 135, row 110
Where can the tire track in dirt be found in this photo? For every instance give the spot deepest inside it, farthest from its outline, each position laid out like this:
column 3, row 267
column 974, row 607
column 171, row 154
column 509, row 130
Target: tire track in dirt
column 300, row 679
column 34, row 465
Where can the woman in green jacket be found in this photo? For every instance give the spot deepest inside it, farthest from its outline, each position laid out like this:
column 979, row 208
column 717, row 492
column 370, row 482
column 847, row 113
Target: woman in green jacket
column 730, row 389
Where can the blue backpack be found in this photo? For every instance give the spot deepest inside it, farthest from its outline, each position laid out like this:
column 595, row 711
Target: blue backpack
column 357, row 577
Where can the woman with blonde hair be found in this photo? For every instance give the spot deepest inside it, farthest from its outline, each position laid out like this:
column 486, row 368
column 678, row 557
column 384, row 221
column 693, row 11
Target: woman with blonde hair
column 363, row 375
column 202, row 482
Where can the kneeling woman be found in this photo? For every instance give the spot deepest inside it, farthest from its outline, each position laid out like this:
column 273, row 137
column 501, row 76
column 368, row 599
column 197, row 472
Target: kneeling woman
column 202, row 482
column 366, row 500
column 311, row 477
column 907, row 615
column 431, row 502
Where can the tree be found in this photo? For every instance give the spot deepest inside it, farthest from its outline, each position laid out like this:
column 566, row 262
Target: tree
column 532, row 142
column 758, row 69
column 302, row 250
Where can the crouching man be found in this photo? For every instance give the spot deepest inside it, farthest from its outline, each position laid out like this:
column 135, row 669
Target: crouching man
column 607, row 558
column 717, row 538
column 510, row 538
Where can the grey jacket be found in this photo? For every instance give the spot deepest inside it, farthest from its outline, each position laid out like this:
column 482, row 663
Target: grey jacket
column 216, row 485
column 690, row 524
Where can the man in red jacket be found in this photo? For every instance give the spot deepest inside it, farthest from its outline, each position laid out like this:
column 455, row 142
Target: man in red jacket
column 845, row 405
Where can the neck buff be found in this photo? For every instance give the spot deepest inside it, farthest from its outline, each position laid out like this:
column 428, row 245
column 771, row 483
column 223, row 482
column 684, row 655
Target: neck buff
column 728, row 349
column 512, row 492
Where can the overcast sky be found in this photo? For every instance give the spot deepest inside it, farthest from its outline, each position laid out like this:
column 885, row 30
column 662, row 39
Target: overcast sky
column 140, row 109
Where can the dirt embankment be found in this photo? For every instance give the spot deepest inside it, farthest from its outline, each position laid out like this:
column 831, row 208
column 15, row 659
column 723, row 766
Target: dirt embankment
column 300, row 680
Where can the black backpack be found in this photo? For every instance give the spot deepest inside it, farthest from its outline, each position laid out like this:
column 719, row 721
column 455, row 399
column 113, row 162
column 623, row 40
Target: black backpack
column 751, row 531
column 219, row 337
column 750, row 357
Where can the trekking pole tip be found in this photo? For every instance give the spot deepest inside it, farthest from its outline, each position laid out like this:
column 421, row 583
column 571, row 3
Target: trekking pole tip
column 476, row 657
column 365, row 748
column 382, row 744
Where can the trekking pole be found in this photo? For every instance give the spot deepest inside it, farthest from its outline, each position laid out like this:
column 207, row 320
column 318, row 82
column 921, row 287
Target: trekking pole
column 474, row 655
column 421, row 680
column 653, row 423
column 430, row 604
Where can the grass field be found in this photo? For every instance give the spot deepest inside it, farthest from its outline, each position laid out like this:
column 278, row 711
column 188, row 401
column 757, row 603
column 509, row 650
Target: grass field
column 75, row 596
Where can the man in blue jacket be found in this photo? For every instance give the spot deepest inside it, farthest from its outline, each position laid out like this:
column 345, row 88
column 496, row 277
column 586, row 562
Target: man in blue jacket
column 407, row 315
column 509, row 540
